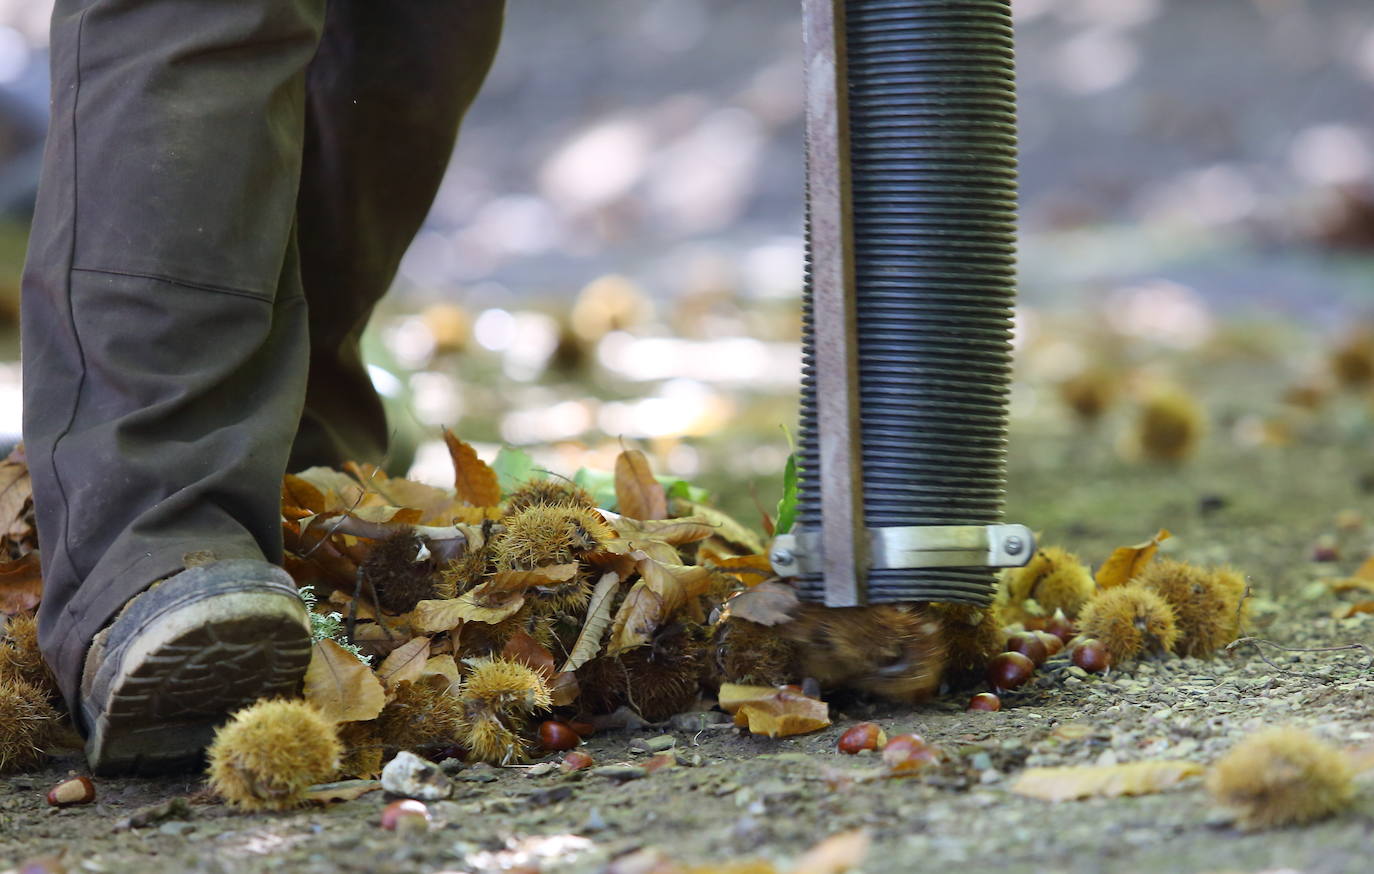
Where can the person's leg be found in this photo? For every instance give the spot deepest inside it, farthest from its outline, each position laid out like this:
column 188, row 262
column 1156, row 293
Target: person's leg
column 163, row 321
column 387, row 91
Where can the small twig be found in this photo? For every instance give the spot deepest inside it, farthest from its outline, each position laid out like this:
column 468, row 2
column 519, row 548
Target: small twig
column 356, row 501
column 1259, row 640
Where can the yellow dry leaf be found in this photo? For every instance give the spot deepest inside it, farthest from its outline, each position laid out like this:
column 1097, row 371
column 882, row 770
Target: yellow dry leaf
column 675, row 532
column 298, row 492
column 340, row 686
column 1104, row 781
column 1353, row 610
column 404, row 664
column 836, row 854
column 661, row 591
column 784, row 715
column 748, row 569
column 473, row 480
column 734, row 695
column 443, row 666
column 726, row 529
column 637, row 494
column 1126, row 562
column 343, row 790
column 498, row 598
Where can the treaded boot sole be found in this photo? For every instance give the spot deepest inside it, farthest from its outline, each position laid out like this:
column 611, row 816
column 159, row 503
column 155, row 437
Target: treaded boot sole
column 186, row 654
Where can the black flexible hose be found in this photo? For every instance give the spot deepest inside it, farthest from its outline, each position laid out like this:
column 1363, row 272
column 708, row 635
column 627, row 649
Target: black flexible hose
column 932, row 127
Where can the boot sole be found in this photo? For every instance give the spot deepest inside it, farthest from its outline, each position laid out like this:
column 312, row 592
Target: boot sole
column 188, row 653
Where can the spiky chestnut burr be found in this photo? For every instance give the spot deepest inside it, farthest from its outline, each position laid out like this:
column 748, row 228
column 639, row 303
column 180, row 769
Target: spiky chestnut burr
column 498, row 697
column 973, row 635
column 401, row 571
column 1282, row 776
column 269, row 753
column 1208, row 604
column 28, row 725
column 551, row 492
column 1130, row 621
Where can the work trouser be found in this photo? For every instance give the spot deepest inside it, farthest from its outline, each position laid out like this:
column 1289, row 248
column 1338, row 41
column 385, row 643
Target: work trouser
column 228, row 187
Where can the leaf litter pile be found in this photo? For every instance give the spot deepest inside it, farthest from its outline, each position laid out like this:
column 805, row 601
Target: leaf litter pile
column 509, row 617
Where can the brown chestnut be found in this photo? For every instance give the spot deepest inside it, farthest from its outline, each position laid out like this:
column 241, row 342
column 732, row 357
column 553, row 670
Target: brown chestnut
column 1060, row 626
column 1030, row 646
column 1009, row 670
column 1053, row 643
column 555, row 735
column 985, row 701
column 864, row 736
column 405, row 815
column 1091, row 655
column 908, row 752
column 575, row 761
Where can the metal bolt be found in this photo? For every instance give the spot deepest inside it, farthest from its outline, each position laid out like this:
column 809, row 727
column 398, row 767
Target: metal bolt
column 782, row 556
column 1012, row 545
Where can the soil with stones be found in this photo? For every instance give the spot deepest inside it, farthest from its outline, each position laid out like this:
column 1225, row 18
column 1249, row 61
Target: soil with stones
column 733, row 797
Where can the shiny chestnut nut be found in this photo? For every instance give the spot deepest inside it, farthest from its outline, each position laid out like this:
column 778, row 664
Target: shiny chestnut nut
column 985, row 701
column 1010, row 670
column 575, row 761
column 405, row 815
column 1092, row 656
column 864, row 736
column 555, row 735
column 1053, row 643
column 75, row 790
column 1030, row 646
column 908, row 752
column 1060, row 626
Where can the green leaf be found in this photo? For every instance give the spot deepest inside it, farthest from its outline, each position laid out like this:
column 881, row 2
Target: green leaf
column 787, row 504
column 600, row 484
column 681, row 489
column 514, row 468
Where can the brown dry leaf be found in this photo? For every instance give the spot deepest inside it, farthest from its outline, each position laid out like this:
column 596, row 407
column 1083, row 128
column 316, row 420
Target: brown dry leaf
column 343, row 790
column 732, row 696
column 436, row 506
column 384, row 513
column 675, row 532
column 1126, row 562
column 637, row 494
column 588, row 645
column 404, row 664
column 443, row 666
column 836, row 854
column 339, row 490
column 726, row 528
column 748, row 569
column 21, row 584
column 1353, row 610
column 341, row 687
column 298, row 492
column 473, row 480
column 1351, row 584
column 1365, row 571
column 523, row 648
column 563, row 689
column 661, row 591
column 498, row 598
column 783, row 714
column 1104, row 781
column 766, row 604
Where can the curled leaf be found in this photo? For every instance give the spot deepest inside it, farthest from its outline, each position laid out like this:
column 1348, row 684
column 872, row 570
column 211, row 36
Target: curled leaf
column 405, row 663
column 588, row 645
column 781, row 713
column 341, row 687
column 661, row 591
column 498, row 598
column 767, row 604
column 473, row 480
column 1126, row 562
column 1104, row 781
column 637, row 494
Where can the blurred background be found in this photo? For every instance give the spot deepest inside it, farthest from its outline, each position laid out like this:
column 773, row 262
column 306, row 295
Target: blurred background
column 615, row 256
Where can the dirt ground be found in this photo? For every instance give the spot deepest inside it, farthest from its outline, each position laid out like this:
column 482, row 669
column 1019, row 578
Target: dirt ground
column 733, row 797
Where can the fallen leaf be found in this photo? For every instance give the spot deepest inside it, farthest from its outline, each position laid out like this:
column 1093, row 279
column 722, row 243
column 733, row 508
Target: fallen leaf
column 1126, row 562
column 21, row 584
column 675, row 532
column 340, row 492
column 299, row 492
column 637, row 494
column 563, row 689
column 1365, row 571
column 1353, row 610
column 1103, row 781
column 343, row 790
column 404, row 664
column 732, row 696
column 1351, row 584
column 340, row 686
column 443, row 666
column 660, row 591
column 437, row 506
column 588, row 644
column 498, row 598
column 724, row 526
column 473, row 480
column 767, row 604
column 836, row 854
column 785, row 714
column 523, row 648
column 748, row 569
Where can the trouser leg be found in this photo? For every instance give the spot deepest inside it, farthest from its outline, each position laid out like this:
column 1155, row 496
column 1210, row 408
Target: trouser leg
column 387, row 91
column 163, row 321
